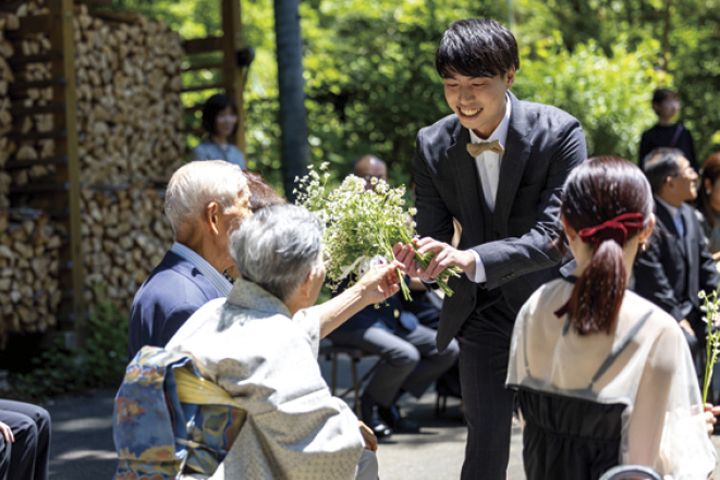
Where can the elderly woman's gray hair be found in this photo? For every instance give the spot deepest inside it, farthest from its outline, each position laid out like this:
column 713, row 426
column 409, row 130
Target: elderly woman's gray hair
column 194, row 185
column 277, row 248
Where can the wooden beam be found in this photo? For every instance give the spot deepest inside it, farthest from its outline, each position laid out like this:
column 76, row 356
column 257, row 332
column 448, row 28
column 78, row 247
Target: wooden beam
column 95, row 3
column 61, row 35
column 21, row 60
column 30, row 25
column 204, row 66
column 17, row 164
column 203, row 45
column 232, row 74
column 132, row 18
column 200, row 88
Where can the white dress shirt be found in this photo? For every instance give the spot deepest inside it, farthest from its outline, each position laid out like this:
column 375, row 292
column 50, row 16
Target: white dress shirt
column 488, row 166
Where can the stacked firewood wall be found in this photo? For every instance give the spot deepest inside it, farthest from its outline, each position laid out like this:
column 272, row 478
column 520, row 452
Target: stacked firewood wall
column 7, row 22
column 125, row 234
column 129, row 106
column 29, row 256
column 130, row 141
column 29, row 240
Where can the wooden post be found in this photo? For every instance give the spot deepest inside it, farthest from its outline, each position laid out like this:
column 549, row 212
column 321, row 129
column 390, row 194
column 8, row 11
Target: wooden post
column 61, row 36
column 233, row 78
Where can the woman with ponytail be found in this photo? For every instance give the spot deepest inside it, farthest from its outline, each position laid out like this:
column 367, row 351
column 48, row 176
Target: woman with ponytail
column 605, row 377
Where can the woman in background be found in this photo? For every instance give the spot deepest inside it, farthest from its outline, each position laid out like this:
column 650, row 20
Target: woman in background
column 708, row 203
column 605, row 377
column 220, row 121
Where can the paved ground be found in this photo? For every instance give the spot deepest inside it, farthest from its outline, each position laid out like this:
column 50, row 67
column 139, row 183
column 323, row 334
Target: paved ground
column 82, row 446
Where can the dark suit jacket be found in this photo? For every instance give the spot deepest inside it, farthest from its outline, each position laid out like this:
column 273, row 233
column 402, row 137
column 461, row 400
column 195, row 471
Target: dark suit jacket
column 543, row 145
column 172, row 292
column 673, row 270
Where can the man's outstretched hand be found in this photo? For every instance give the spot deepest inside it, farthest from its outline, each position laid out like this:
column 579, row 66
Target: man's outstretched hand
column 445, row 256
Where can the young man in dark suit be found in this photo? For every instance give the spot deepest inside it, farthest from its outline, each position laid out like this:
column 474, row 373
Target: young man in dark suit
column 504, row 190
column 677, row 263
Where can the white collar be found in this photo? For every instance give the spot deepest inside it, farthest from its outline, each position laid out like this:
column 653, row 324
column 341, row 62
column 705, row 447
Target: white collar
column 501, row 131
column 216, row 279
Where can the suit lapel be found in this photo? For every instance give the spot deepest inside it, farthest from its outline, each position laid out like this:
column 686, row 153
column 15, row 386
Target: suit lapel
column 688, row 241
column 517, row 152
column 665, row 219
column 465, row 172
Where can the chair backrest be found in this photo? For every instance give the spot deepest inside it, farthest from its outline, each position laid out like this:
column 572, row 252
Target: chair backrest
column 635, row 472
column 169, row 420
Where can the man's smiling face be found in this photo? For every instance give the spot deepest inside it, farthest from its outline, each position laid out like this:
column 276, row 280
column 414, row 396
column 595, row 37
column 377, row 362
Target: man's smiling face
column 479, row 102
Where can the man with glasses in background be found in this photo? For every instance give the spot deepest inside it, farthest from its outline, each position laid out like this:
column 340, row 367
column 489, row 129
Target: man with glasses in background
column 676, row 263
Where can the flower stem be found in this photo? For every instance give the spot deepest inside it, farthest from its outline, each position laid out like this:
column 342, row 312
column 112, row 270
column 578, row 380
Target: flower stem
column 708, row 369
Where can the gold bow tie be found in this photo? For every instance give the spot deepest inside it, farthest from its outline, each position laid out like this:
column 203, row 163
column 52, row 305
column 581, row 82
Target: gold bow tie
column 476, row 149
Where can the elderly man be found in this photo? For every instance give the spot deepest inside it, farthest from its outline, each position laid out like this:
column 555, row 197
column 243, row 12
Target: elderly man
column 261, row 345
column 205, row 202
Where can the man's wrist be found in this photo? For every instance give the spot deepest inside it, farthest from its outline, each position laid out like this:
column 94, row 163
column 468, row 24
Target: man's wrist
column 477, row 274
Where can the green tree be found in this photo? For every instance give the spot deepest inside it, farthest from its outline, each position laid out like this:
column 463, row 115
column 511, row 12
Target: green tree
column 370, row 83
column 608, row 94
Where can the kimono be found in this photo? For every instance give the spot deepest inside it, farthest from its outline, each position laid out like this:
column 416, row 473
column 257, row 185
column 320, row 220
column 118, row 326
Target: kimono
column 250, row 346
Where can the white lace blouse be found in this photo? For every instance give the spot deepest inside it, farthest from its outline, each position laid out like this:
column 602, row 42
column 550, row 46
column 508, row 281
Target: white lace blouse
column 645, row 364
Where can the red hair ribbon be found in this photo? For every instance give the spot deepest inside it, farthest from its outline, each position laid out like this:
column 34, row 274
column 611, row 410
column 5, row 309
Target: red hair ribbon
column 618, row 229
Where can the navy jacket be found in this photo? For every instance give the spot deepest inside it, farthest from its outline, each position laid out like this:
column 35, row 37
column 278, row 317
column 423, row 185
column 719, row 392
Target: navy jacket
column 172, row 292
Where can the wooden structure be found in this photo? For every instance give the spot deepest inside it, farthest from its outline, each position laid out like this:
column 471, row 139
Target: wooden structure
column 60, row 197
column 45, row 101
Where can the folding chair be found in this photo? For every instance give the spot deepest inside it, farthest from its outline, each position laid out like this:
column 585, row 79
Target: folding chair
column 331, row 353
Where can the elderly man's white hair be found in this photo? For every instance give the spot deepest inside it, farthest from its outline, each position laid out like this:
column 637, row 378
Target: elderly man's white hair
column 194, row 185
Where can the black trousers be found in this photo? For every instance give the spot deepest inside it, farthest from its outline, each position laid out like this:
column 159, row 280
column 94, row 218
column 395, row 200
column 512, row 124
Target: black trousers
column 484, row 349
column 28, row 457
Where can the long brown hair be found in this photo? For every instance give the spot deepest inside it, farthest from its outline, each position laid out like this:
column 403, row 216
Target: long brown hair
column 599, row 191
column 710, row 171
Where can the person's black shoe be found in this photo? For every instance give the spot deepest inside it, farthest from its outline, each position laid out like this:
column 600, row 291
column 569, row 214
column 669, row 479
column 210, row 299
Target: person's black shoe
column 380, row 428
column 368, row 411
column 392, row 417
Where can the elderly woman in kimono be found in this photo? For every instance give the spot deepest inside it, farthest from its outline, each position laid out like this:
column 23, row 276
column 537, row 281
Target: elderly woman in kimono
column 261, row 345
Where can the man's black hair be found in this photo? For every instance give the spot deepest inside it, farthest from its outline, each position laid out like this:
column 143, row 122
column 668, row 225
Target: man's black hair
column 660, row 163
column 212, row 107
column 662, row 94
column 476, row 48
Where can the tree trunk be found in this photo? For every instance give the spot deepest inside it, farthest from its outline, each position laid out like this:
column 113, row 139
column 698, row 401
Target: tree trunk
column 293, row 123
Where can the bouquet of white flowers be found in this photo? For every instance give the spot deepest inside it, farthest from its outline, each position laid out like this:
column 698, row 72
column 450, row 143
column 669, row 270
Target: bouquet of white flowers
column 361, row 226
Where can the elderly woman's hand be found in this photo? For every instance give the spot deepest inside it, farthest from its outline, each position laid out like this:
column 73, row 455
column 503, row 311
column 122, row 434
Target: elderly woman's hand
column 380, row 283
column 711, row 411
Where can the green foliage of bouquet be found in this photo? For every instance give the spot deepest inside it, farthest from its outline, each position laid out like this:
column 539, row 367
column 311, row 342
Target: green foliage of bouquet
column 712, row 317
column 361, row 226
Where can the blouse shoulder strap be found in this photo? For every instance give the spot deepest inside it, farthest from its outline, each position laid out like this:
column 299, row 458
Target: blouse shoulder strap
column 617, row 351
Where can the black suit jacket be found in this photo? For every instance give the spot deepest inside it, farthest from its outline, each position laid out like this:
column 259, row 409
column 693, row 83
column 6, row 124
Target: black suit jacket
column 543, row 145
column 673, row 270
